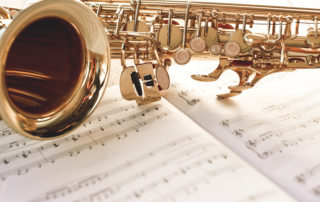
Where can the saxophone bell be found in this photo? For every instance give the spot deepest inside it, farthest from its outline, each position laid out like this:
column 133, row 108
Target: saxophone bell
column 54, row 66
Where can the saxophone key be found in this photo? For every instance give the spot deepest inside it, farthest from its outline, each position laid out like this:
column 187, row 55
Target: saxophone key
column 232, row 49
column 182, row 56
column 162, row 78
column 141, row 26
column 197, row 44
column 175, row 37
column 215, row 49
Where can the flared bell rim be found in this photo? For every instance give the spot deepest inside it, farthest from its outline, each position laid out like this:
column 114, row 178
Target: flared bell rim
column 94, row 77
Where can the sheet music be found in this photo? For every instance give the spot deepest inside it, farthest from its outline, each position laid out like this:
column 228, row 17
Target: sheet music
column 274, row 126
column 126, row 152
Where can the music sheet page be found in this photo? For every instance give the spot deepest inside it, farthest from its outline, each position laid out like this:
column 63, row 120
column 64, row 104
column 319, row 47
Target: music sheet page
column 126, row 152
column 274, row 126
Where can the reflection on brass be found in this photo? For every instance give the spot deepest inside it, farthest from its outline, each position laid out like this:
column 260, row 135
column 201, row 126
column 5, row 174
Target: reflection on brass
column 182, row 56
column 127, row 87
column 53, row 73
column 215, row 49
column 232, row 49
column 163, row 78
column 175, row 37
column 210, row 30
column 209, row 35
column 4, row 13
column 197, row 44
column 313, row 40
column 150, row 88
column 24, row 74
column 238, row 37
column 138, row 83
column 56, row 54
column 141, row 26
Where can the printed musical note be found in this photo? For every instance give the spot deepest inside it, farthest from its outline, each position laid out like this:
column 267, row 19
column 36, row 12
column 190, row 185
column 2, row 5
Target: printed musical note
column 308, row 174
column 74, row 150
column 273, row 127
column 123, row 152
column 6, row 132
column 185, row 97
column 91, row 180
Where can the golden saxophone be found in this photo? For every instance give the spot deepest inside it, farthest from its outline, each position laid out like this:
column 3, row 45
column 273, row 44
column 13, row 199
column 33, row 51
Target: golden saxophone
column 55, row 55
column 152, row 32
column 55, row 62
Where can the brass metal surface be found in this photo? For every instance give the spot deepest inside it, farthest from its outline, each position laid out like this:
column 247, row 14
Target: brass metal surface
column 54, row 65
column 175, row 37
column 251, row 40
column 163, row 78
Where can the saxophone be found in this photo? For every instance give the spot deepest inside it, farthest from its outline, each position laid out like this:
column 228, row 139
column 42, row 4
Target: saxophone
column 54, row 67
column 55, row 55
column 253, row 41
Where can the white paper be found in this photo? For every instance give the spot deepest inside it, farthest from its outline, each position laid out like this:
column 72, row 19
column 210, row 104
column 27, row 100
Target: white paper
column 129, row 153
column 274, row 126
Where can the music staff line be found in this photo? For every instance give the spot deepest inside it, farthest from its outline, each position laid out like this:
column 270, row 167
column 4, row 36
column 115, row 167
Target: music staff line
column 296, row 115
column 77, row 186
column 73, row 151
column 254, row 143
column 298, row 101
column 76, row 137
column 191, row 186
column 285, row 144
column 5, row 132
column 24, row 142
column 198, row 155
column 277, row 108
column 105, row 193
column 179, row 172
column 100, row 116
column 90, row 180
column 303, row 177
column 308, row 179
column 185, row 95
column 17, row 144
column 192, row 95
column 310, row 122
